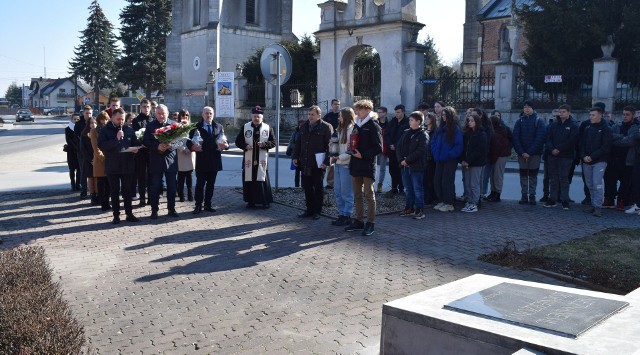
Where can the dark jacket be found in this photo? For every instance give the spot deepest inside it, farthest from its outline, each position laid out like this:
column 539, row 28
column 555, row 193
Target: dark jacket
column 208, row 159
column 596, row 142
column 140, row 122
column 412, row 148
column 529, row 135
column 312, row 140
column 73, row 143
column 562, row 136
column 501, row 143
column 159, row 162
column 442, row 149
column 332, row 118
column 475, row 147
column 627, row 144
column 369, row 147
column 394, row 130
column 116, row 161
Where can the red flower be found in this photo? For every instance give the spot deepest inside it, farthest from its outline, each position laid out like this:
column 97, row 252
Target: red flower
column 174, row 126
column 160, row 130
column 185, row 122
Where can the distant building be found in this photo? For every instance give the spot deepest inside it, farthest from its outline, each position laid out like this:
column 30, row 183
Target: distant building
column 59, row 92
column 206, row 37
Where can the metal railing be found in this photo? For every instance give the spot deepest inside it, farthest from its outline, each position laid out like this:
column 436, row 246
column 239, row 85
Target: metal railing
column 461, row 90
column 628, row 88
column 554, row 88
column 292, row 94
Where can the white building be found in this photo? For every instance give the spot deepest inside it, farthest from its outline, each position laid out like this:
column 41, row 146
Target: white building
column 208, row 35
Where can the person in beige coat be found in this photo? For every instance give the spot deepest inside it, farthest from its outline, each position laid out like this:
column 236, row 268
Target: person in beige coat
column 98, row 162
column 185, row 163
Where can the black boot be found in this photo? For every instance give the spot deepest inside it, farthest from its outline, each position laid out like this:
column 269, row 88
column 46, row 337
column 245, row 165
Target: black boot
column 524, row 200
column 94, row 199
column 496, row 197
column 189, row 194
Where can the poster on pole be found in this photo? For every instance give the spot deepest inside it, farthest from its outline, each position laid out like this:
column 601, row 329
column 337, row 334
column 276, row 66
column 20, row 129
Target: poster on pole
column 225, row 94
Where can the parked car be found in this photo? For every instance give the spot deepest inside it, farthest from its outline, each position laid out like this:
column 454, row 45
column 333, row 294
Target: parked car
column 24, row 115
column 54, row 111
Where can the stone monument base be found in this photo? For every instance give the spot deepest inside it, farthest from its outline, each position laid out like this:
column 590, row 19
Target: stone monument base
column 421, row 324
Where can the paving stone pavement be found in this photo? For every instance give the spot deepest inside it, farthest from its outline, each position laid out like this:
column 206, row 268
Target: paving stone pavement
column 262, row 281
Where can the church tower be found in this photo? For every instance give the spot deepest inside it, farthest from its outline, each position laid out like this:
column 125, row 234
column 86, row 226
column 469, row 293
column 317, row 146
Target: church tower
column 208, row 35
column 471, row 50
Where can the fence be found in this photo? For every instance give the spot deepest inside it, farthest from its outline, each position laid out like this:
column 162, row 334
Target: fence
column 628, row 88
column 292, row 94
column 460, row 90
column 556, row 87
column 366, row 84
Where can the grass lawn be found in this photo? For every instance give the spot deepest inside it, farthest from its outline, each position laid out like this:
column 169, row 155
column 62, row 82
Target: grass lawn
column 610, row 258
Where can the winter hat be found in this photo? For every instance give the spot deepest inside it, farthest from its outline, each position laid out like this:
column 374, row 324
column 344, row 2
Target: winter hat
column 529, row 103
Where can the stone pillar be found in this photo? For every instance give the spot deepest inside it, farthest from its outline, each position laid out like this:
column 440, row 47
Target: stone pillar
column 605, row 78
column 505, row 85
column 241, row 91
column 414, row 70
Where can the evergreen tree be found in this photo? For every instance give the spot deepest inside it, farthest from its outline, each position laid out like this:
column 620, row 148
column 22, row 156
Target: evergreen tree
column 145, row 27
column 14, row 94
column 95, row 57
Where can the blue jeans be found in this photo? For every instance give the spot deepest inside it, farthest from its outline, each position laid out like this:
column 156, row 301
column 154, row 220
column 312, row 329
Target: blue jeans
column 594, row 177
column 343, row 188
column 382, row 167
column 414, row 188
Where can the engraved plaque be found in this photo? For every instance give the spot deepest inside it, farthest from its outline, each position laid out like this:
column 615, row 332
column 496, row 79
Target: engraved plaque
column 562, row 313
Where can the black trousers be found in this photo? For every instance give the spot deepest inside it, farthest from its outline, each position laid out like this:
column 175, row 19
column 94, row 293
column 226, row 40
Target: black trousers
column 184, row 176
column 103, row 192
column 394, row 171
column 205, row 182
column 635, row 184
column 313, row 189
column 428, row 183
column 142, row 173
column 122, row 182
column 618, row 171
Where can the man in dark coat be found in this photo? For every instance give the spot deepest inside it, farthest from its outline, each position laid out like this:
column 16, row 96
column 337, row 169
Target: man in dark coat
column 208, row 158
column 311, row 144
column 562, row 138
column 72, row 147
column 333, row 118
column 395, row 128
column 362, row 167
column 529, row 134
column 87, row 112
column 162, row 162
column 119, row 144
column 255, row 139
column 142, row 157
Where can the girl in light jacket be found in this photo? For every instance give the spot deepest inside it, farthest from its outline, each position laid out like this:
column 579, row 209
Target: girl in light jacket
column 343, row 187
column 185, row 163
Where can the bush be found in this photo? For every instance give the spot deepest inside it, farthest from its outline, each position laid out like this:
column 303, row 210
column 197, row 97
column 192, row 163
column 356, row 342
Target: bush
column 34, row 318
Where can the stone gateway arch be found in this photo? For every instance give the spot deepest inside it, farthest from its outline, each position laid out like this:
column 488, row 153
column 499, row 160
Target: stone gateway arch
column 389, row 26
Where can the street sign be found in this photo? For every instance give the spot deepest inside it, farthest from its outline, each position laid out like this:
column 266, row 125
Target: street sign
column 86, row 100
column 553, row 79
column 140, row 96
column 268, row 63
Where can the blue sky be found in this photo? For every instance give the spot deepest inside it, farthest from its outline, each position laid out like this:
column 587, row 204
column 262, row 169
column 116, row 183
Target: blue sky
column 39, row 32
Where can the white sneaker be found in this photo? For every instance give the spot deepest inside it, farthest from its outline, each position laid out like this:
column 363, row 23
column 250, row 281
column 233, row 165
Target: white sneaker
column 438, row 206
column 446, row 208
column 633, row 209
column 472, row 207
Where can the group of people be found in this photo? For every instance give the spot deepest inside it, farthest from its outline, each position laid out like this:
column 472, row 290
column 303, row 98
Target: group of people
column 109, row 157
column 118, row 156
column 424, row 149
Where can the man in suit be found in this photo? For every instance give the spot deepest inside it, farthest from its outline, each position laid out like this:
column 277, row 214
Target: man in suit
column 142, row 157
column 119, row 144
column 208, row 158
column 162, row 162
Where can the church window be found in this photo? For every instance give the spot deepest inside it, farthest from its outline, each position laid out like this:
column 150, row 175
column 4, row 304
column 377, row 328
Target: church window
column 251, row 16
column 197, row 5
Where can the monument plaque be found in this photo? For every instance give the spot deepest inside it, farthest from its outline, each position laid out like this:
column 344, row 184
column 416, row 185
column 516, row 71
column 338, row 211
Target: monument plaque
column 561, row 313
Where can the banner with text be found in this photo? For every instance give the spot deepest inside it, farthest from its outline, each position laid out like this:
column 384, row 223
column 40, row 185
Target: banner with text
column 225, row 94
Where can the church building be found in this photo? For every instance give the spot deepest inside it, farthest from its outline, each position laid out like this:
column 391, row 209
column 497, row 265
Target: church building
column 211, row 35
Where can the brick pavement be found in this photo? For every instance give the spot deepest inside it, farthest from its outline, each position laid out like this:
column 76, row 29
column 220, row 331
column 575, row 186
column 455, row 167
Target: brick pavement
column 262, row 281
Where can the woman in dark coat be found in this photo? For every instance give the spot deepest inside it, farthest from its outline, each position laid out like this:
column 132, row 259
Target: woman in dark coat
column 87, row 159
column 71, row 148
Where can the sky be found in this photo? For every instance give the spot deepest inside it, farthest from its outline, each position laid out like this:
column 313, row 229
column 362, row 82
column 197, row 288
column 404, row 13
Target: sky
column 39, row 34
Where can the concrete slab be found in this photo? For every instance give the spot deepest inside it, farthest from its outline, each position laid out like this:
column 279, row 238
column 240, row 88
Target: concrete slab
column 420, row 324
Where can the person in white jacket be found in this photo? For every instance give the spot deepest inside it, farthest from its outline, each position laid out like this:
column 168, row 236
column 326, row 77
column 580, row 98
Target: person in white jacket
column 342, row 185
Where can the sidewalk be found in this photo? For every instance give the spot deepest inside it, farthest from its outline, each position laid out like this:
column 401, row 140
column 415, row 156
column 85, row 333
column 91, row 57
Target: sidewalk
column 262, row 281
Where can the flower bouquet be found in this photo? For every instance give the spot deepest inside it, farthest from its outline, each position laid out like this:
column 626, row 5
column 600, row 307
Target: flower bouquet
column 174, row 134
column 140, row 134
